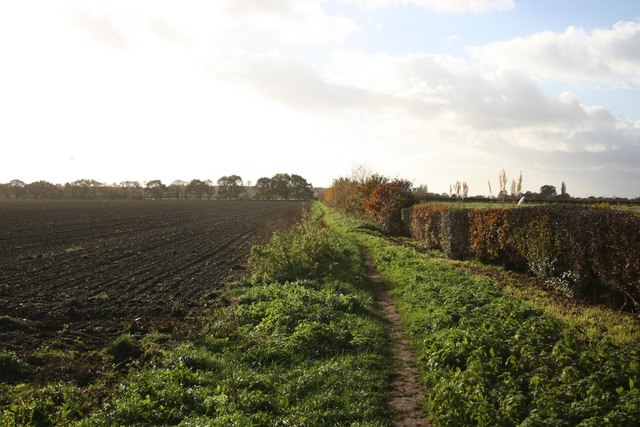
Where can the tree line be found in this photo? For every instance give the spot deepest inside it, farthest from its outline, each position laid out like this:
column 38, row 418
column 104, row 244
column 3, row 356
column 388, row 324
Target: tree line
column 281, row 186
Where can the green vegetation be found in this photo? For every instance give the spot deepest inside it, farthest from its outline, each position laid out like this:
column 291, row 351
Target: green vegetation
column 298, row 343
column 596, row 321
column 310, row 351
column 588, row 253
column 487, row 358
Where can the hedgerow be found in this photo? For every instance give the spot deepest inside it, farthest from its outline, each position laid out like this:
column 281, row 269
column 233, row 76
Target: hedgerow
column 488, row 359
column 586, row 252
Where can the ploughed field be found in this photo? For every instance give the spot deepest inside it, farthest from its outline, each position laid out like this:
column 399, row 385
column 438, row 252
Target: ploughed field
column 80, row 273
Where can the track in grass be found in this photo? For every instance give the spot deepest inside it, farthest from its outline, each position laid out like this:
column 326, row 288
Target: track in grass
column 407, row 393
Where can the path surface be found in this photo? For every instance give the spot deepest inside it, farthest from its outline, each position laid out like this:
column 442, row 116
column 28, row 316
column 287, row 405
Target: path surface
column 407, row 394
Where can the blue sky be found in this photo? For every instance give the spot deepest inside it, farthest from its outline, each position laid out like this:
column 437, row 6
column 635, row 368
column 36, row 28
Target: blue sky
column 434, row 91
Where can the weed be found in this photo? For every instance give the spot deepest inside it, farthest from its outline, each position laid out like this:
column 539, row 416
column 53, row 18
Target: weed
column 125, row 348
column 12, row 367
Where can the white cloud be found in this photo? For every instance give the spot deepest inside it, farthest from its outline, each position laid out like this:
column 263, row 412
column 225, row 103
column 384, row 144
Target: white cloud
column 441, row 6
column 574, row 55
column 431, row 93
column 100, row 27
column 298, row 84
column 291, row 22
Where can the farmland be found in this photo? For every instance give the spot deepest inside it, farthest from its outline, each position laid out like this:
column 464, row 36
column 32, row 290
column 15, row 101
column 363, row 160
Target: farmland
column 79, row 274
column 302, row 340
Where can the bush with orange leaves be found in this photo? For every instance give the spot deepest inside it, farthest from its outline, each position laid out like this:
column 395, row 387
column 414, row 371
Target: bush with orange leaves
column 385, row 203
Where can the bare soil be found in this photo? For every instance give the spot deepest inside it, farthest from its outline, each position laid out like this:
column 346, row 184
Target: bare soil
column 406, row 390
column 78, row 274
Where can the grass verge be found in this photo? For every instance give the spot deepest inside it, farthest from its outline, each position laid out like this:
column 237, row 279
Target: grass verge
column 487, row 358
column 298, row 343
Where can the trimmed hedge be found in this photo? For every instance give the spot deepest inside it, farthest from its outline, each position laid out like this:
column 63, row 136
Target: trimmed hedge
column 585, row 252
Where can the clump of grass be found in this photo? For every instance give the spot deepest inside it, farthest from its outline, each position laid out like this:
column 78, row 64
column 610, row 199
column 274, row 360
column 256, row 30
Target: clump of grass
column 305, row 251
column 125, row 348
column 12, row 367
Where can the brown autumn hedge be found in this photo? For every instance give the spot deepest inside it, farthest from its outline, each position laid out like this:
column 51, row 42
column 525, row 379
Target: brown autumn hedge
column 587, row 252
column 385, row 203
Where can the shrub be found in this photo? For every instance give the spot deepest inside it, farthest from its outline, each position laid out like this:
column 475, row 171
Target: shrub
column 340, row 193
column 306, row 251
column 385, row 203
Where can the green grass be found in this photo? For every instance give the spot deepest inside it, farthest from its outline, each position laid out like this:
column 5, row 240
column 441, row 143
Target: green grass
column 310, row 351
column 597, row 322
column 487, row 358
column 300, row 342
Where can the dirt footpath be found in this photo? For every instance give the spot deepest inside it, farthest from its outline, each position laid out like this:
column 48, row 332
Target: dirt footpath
column 407, row 392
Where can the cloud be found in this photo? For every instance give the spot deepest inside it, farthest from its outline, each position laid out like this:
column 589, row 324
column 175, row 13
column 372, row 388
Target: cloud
column 604, row 54
column 438, row 92
column 292, row 22
column 252, row 7
column 299, row 85
column 169, row 33
column 100, row 28
column 441, row 6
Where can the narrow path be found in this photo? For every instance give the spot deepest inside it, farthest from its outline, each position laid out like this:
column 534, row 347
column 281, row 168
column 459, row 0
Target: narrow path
column 407, row 395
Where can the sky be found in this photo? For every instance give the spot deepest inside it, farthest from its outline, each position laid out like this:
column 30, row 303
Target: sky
column 433, row 91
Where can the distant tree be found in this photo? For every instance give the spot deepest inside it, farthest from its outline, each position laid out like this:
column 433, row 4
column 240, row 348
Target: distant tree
column 563, row 192
column 248, row 190
column 264, row 189
column 43, row 190
column 230, row 187
column 131, row 190
column 83, row 189
column 17, row 189
column 283, row 186
column 547, row 191
column 177, row 189
column 421, row 190
column 300, row 188
column 199, row 189
column 280, row 185
column 156, row 189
